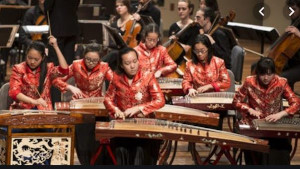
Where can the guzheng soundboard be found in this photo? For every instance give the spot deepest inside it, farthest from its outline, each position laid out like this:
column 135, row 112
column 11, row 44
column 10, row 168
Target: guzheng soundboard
column 206, row 101
column 185, row 114
column 171, row 86
column 94, row 105
column 283, row 128
column 166, row 130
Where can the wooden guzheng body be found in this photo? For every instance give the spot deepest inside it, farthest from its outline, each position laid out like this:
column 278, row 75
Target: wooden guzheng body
column 206, row 101
column 283, row 128
column 185, row 114
column 38, row 117
column 94, row 105
column 166, row 130
column 171, row 86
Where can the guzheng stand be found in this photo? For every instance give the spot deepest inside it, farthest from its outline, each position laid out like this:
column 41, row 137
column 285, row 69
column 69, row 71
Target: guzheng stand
column 33, row 137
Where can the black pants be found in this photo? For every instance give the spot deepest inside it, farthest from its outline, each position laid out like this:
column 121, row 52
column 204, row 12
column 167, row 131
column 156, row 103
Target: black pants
column 131, row 151
column 279, row 154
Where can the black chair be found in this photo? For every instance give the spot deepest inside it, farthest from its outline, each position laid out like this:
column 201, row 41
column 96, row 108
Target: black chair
column 237, row 62
column 6, row 101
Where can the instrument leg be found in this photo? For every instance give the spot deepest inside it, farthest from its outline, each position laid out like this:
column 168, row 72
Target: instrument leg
column 294, row 149
column 107, row 145
column 165, row 155
column 195, row 154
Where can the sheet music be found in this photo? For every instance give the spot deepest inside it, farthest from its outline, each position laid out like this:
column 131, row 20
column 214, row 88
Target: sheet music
column 256, row 27
column 36, row 29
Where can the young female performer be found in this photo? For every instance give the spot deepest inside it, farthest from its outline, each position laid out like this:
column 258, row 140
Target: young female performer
column 152, row 56
column 31, row 80
column 133, row 93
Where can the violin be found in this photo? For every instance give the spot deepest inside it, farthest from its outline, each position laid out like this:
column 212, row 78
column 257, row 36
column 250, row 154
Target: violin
column 41, row 20
column 132, row 29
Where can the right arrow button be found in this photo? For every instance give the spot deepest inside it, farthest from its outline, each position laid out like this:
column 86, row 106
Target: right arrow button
column 292, row 11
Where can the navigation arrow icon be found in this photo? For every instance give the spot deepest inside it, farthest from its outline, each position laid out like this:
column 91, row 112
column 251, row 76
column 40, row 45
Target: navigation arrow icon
column 292, row 11
column 260, row 11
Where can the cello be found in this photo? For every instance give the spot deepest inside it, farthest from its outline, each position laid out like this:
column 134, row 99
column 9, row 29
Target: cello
column 132, row 29
column 284, row 48
column 41, row 20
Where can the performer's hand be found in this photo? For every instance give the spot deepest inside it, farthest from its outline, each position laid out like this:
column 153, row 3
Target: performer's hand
column 276, row 117
column 205, row 88
column 294, row 30
column 119, row 115
column 40, row 102
column 140, row 115
column 157, row 74
column 211, row 39
column 76, row 91
column 132, row 111
column 192, row 92
column 255, row 113
column 53, row 41
column 173, row 37
column 136, row 16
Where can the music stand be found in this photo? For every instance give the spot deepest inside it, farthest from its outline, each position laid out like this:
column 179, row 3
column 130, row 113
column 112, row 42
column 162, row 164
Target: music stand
column 7, row 34
column 90, row 12
column 11, row 14
column 116, row 37
column 254, row 32
column 90, row 30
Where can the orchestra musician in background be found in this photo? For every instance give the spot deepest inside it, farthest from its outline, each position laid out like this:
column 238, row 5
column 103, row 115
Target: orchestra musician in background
column 149, row 10
column 31, row 80
column 154, row 57
column 205, row 72
column 33, row 16
column 219, row 39
column 185, row 11
column 292, row 68
column 132, row 94
column 212, row 4
column 264, row 92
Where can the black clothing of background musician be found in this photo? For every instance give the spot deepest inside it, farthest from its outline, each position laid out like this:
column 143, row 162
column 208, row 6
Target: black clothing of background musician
column 30, row 18
column 292, row 68
column 150, row 10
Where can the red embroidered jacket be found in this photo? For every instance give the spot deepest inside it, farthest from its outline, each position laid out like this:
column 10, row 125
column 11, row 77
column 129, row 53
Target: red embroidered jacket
column 266, row 100
column 143, row 91
column 214, row 73
column 156, row 59
column 90, row 83
column 24, row 80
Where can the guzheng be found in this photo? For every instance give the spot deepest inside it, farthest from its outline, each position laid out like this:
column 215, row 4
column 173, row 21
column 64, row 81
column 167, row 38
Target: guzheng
column 166, row 130
column 206, row 101
column 171, row 86
column 39, row 117
column 94, row 105
column 283, row 128
column 184, row 114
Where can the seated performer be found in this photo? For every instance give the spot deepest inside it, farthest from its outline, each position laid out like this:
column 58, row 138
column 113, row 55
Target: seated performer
column 152, row 56
column 89, row 74
column 205, row 72
column 31, row 80
column 133, row 93
column 263, row 93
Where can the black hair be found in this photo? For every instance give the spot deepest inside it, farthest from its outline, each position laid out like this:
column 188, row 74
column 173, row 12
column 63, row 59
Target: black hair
column 213, row 4
column 293, row 2
column 206, row 42
column 151, row 28
column 122, row 52
column 265, row 65
column 40, row 47
column 93, row 47
column 190, row 6
column 208, row 12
